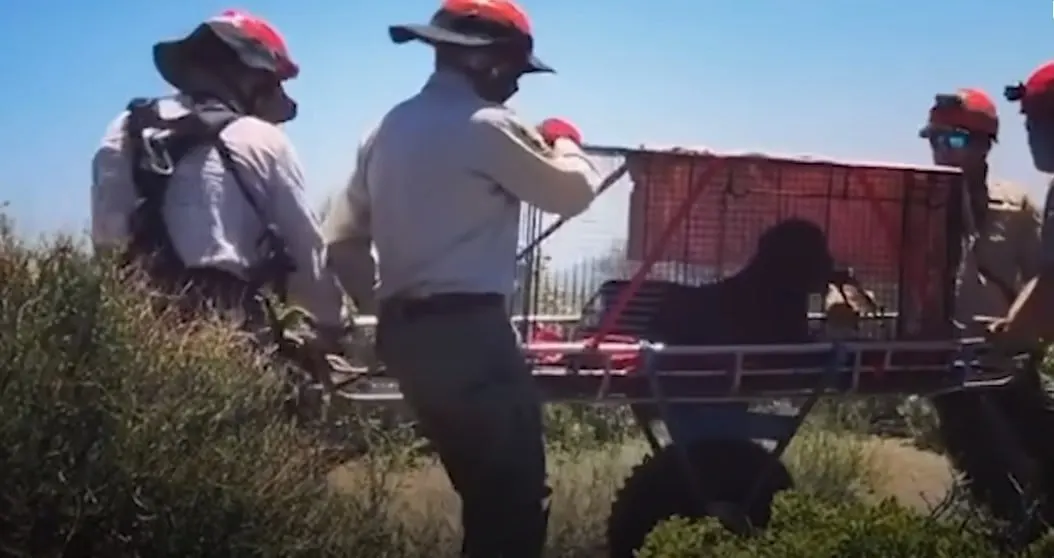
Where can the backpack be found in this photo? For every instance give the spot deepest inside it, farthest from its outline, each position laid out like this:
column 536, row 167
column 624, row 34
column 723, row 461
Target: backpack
column 154, row 160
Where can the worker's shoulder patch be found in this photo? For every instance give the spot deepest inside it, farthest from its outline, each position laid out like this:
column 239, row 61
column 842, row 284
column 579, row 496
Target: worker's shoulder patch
column 510, row 123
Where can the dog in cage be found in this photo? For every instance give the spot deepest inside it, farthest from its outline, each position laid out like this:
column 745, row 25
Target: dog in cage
column 765, row 303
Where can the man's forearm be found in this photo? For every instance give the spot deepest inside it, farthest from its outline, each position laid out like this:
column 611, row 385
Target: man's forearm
column 351, row 260
column 1030, row 316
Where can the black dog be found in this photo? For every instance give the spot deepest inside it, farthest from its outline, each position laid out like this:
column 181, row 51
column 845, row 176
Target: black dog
column 767, row 302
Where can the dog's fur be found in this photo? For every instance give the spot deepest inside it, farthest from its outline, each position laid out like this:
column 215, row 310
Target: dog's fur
column 766, row 302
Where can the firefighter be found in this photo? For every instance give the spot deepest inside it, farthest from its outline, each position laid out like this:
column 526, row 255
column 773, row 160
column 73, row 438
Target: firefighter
column 235, row 219
column 1001, row 253
column 1001, row 248
column 1028, row 320
column 438, row 190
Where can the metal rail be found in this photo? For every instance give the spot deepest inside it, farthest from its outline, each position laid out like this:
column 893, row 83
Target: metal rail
column 865, row 360
column 390, row 395
column 583, row 347
column 368, row 320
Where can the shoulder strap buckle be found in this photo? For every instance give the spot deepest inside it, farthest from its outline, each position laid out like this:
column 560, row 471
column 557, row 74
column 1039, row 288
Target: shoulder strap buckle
column 156, row 158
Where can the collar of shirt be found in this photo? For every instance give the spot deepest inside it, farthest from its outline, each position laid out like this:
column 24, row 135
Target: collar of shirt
column 449, row 82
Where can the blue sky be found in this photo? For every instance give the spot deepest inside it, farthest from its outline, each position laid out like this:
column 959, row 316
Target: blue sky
column 847, row 79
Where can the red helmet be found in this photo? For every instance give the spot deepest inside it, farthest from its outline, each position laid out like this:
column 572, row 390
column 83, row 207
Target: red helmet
column 1036, row 94
column 967, row 108
column 257, row 43
column 475, row 23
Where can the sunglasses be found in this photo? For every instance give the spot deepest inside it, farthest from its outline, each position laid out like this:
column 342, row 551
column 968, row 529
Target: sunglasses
column 950, row 139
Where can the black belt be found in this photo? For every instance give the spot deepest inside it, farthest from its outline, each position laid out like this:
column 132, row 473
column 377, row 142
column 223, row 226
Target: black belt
column 440, row 304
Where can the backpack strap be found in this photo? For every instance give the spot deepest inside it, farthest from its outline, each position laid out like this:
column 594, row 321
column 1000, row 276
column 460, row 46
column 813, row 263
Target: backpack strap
column 152, row 164
column 154, row 160
column 277, row 265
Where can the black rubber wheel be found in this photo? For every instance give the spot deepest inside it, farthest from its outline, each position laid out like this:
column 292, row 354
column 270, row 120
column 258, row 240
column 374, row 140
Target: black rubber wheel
column 727, row 470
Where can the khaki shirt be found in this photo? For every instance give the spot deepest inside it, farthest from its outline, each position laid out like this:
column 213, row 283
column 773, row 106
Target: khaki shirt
column 210, row 222
column 438, row 188
column 1008, row 250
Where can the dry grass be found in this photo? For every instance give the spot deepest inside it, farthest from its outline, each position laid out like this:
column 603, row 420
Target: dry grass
column 916, row 478
column 583, row 486
column 826, row 464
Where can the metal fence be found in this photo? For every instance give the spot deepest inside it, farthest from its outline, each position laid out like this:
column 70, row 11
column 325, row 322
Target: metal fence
column 559, row 273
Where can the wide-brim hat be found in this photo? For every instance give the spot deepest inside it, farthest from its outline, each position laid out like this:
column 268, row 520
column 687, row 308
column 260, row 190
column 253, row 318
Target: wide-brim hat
column 454, row 29
column 175, row 61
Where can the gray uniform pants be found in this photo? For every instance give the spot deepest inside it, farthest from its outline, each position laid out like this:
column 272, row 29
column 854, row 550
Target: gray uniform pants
column 463, row 374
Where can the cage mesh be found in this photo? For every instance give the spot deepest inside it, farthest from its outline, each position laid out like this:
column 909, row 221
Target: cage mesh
column 896, row 226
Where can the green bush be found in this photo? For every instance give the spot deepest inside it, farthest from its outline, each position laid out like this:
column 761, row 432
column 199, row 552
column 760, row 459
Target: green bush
column 576, row 427
column 804, row 527
column 124, row 433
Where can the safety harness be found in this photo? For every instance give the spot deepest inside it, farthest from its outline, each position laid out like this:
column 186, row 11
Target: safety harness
column 156, row 146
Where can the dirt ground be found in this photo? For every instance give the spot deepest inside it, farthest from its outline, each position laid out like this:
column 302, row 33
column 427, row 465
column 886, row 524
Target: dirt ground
column 585, row 485
column 914, row 477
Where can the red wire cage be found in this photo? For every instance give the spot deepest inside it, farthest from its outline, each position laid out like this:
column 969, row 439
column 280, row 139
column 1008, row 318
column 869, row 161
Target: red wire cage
column 898, row 227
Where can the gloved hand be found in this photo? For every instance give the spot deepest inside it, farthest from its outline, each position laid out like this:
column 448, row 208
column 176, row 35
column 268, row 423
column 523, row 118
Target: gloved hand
column 553, row 129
